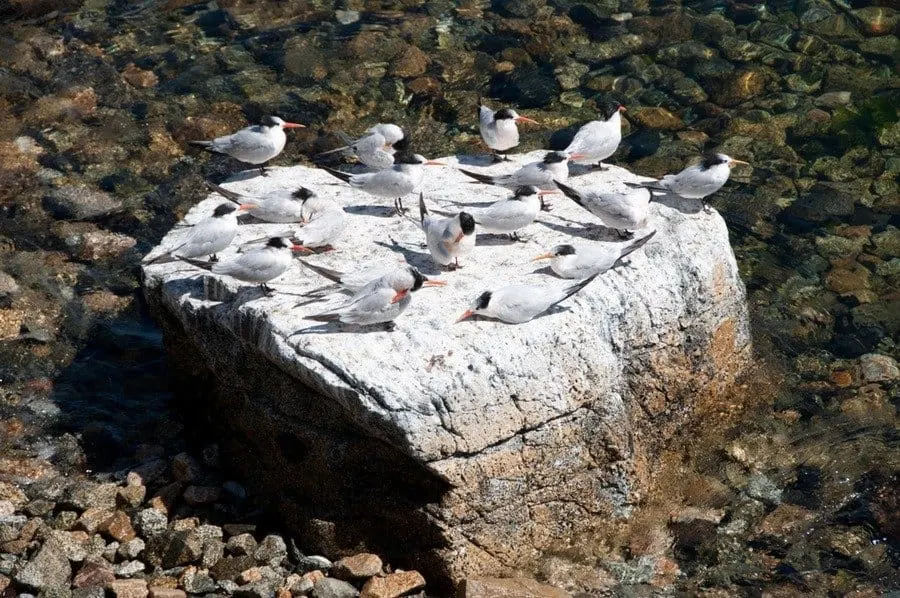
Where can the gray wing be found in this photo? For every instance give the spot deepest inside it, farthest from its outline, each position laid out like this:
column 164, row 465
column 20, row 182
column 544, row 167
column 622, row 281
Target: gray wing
column 246, row 140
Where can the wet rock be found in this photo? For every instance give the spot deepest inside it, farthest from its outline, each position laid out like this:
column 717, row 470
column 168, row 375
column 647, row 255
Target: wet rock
column 889, row 135
column 393, row 585
column 129, row 588
column 878, row 368
column 201, row 495
column 878, row 20
column 48, row 569
column 822, row 202
column 99, row 245
column 488, row 587
column 412, row 62
column 80, row 203
column 842, row 280
column 887, row 243
column 739, row 87
column 185, row 468
column 150, row 522
column 527, row 86
column 657, row 118
column 785, row 520
column 139, row 77
column 693, row 526
column 357, row 566
column 763, row 489
column 272, row 550
column 328, row 587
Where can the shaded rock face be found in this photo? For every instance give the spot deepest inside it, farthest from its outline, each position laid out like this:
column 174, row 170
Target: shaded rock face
column 478, row 448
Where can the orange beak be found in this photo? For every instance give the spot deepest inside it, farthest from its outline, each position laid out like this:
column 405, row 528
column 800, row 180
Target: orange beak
column 525, row 119
column 301, row 248
column 400, row 295
column 434, row 163
column 465, row 315
column 459, row 237
column 293, row 126
column 577, row 156
column 733, row 162
column 543, row 256
column 623, row 109
column 434, row 283
column 543, row 192
column 246, row 206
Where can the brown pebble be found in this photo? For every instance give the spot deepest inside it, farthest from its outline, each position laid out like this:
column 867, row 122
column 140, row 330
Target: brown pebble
column 158, row 592
column 393, row 585
column 118, row 527
column 129, row 588
column 357, row 566
column 138, row 77
column 94, row 573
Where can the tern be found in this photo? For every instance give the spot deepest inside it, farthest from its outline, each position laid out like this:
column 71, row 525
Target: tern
column 257, row 266
column 599, row 139
column 554, row 167
column 517, row 304
column 253, row 145
column 209, row 236
column 403, row 178
column 376, row 148
column 499, row 129
column 624, row 211
column 698, row 181
column 298, row 206
column 380, row 301
column 510, row 214
column 358, row 278
column 447, row 238
column 582, row 261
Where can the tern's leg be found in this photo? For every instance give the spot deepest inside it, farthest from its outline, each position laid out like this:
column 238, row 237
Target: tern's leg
column 599, row 166
column 389, row 326
column 213, row 258
column 266, row 289
column 262, row 171
column 497, row 158
column 624, row 234
column 398, row 206
column 706, row 207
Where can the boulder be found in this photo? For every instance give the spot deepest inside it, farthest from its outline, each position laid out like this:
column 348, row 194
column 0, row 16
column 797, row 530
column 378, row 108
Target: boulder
column 479, row 447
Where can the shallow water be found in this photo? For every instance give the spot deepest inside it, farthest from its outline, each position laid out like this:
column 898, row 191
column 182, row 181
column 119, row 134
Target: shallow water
column 104, row 93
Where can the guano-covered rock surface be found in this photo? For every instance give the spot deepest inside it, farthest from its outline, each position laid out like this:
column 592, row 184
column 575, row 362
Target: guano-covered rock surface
column 478, row 447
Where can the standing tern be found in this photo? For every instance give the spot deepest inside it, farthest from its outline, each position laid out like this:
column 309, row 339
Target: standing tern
column 623, row 211
column 254, row 145
column 297, row 206
column 381, row 301
column 517, row 304
column 499, row 130
column 698, row 181
column 403, row 178
column 510, row 214
column 569, row 261
column 257, row 266
column 554, row 167
column 209, row 236
column 447, row 238
column 599, row 139
column 376, row 148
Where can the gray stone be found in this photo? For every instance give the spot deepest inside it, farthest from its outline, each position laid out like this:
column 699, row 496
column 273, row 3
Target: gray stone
column 230, row 567
column 762, row 488
column 132, row 548
column 80, row 203
column 878, row 368
column 71, row 547
column 150, row 522
column 328, row 587
column 438, row 408
column 213, row 551
column 271, row 550
column 49, row 568
column 313, row 562
column 241, row 544
column 129, row 568
column 11, row 526
column 258, row 589
column 95, row 592
column 198, row 581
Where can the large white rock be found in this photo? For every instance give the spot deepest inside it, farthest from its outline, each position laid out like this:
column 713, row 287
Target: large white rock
column 479, row 447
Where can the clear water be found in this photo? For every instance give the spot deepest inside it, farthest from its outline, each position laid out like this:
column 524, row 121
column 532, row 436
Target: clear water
column 813, row 223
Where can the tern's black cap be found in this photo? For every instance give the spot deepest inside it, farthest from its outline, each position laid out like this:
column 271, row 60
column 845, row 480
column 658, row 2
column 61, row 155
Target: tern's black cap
column 277, row 242
column 564, row 250
column 223, row 209
column 302, row 194
column 269, row 121
column 483, row 300
column 713, row 159
column 466, row 223
column 418, row 279
column 408, row 158
column 555, row 157
column 402, row 144
column 607, row 107
column 524, row 191
column 504, row 113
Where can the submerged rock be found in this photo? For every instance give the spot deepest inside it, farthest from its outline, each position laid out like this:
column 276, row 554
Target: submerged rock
column 437, row 422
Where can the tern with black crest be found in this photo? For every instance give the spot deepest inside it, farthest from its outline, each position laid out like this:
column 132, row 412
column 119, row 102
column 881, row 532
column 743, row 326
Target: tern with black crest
column 542, row 174
column 253, row 145
column 380, row 301
column 448, row 238
column 282, row 207
column 517, row 304
column 403, row 178
column 499, row 129
column 626, row 210
column 209, row 236
column 257, row 266
column 599, row 139
column 511, row 214
column 698, row 181
column 376, row 148
column 583, row 260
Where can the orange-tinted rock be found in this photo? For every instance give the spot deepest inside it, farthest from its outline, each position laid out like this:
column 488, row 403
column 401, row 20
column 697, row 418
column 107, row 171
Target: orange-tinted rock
column 514, row 587
column 393, row 585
